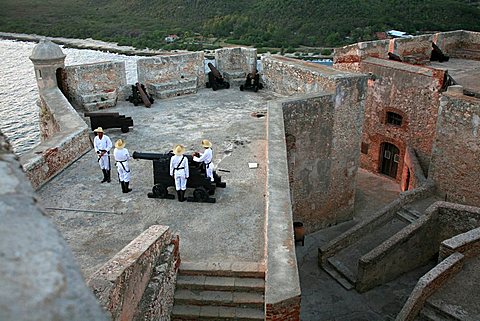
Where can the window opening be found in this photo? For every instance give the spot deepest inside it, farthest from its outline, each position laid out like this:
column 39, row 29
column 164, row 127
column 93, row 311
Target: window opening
column 394, row 118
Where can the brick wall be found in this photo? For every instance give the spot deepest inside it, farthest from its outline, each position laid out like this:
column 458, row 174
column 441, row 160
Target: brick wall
column 402, row 89
column 138, row 283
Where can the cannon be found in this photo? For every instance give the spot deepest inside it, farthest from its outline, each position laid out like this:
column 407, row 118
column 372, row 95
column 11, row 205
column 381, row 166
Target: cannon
column 215, row 79
column 139, row 95
column 203, row 187
column 437, row 54
column 252, row 82
column 109, row 120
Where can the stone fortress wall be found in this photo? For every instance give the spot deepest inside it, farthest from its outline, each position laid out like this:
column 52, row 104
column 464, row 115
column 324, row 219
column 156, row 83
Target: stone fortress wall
column 333, row 101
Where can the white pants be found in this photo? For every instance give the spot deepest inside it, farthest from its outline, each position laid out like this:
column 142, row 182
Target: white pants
column 104, row 162
column 209, row 171
column 123, row 171
column 180, row 180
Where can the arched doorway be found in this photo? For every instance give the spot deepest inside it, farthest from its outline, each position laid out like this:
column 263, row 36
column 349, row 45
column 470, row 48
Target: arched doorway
column 61, row 80
column 389, row 158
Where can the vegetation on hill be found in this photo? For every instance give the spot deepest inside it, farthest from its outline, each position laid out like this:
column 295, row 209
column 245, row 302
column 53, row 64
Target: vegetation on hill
column 266, row 23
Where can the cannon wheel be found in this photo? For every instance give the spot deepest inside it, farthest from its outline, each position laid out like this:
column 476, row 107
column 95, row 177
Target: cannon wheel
column 255, row 89
column 227, row 85
column 241, row 87
column 125, row 129
column 159, row 191
column 200, row 194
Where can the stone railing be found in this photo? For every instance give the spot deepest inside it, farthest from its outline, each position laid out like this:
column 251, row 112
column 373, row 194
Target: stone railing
column 428, row 284
column 139, row 281
column 282, row 284
column 63, row 146
column 38, row 274
column 467, row 243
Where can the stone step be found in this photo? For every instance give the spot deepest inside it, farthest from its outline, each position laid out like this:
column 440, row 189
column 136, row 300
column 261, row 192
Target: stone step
column 193, row 312
column 228, row 269
column 337, row 276
column 431, row 313
column 99, row 97
column 220, row 283
column 175, row 92
column 407, row 216
column 219, row 298
column 343, row 270
column 183, row 83
column 93, row 106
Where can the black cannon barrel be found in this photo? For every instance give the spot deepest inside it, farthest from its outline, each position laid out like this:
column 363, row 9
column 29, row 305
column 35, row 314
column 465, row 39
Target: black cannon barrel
column 150, row 156
column 214, row 70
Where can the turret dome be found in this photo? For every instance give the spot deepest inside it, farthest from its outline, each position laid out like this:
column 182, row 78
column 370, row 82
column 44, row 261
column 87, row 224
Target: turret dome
column 47, row 50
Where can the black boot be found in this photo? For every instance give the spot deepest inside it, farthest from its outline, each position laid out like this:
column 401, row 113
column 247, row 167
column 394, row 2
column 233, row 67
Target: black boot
column 182, row 195
column 108, row 176
column 126, row 187
column 179, row 196
column 105, row 177
column 123, row 186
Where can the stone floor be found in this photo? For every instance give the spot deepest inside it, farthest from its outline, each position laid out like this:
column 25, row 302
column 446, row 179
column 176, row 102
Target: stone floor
column 230, row 229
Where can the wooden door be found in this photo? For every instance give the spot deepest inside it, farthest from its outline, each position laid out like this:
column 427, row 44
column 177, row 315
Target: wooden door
column 390, row 156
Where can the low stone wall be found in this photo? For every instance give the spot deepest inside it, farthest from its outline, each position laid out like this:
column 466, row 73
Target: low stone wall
column 414, row 245
column 38, row 275
column 63, row 146
column 172, row 68
column 467, row 243
column 428, row 284
column 458, row 133
column 323, row 125
column 282, row 283
column 138, row 283
column 381, row 217
column 95, row 83
column 237, row 59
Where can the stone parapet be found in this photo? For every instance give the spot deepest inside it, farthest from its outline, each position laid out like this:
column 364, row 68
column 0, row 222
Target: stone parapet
column 38, row 275
column 282, row 283
column 236, row 62
column 172, row 69
column 467, row 243
column 95, row 86
column 138, row 283
column 63, row 145
column 323, row 124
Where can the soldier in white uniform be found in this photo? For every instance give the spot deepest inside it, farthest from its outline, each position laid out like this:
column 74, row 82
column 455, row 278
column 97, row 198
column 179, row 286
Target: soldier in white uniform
column 121, row 155
column 206, row 157
column 179, row 171
column 102, row 145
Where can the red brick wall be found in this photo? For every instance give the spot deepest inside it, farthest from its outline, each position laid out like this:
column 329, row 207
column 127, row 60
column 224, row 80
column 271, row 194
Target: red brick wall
column 288, row 310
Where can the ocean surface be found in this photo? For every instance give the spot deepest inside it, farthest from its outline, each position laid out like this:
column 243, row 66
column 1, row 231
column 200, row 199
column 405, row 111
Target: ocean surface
column 19, row 93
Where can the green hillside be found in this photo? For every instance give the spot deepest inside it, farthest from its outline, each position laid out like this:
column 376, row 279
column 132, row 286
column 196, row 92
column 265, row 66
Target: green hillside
column 266, row 23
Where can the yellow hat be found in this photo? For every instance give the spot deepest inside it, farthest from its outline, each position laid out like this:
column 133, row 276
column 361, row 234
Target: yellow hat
column 120, row 144
column 205, row 143
column 99, row 130
column 178, row 149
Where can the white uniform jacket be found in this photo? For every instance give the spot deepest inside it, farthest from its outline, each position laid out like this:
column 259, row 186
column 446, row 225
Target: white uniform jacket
column 180, row 162
column 206, row 158
column 103, row 144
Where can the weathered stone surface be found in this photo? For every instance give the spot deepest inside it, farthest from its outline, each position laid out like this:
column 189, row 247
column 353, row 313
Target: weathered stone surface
column 236, row 61
column 38, row 275
column 456, row 154
column 171, row 69
column 94, row 82
column 138, row 283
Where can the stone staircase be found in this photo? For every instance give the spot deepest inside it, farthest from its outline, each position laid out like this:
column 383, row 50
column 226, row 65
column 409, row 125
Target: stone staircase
column 182, row 86
column 458, row 299
column 343, row 266
column 210, row 291
column 235, row 78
